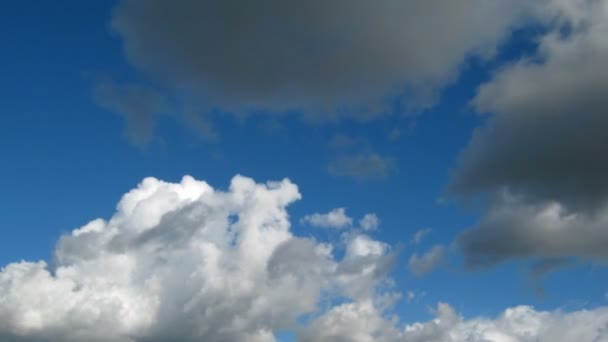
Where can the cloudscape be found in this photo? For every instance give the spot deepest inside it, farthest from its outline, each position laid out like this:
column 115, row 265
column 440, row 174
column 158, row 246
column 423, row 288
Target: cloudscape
column 338, row 170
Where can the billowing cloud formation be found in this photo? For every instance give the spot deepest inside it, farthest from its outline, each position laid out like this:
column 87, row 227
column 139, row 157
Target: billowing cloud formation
column 517, row 324
column 362, row 322
column 185, row 262
column 328, row 60
column 336, row 218
column 545, row 145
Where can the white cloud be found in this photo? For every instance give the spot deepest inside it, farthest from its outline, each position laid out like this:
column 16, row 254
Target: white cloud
column 421, row 265
column 336, row 218
column 517, row 324
column 369, row 222
column 356, row 322
column 363, row 322
column 185, row 262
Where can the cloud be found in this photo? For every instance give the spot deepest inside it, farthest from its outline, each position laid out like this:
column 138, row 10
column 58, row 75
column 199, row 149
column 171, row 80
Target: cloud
column 517, row 324
column 414, row 296
column 544, row 145
column 186, row 262
column 360, row 322
column 419, row 235
column 327, row 60
column 141, row 106
column 369, row 222
column 363, row 322
column 421, row 265
column 514, row 228
column 362, row 167
column 546, row 138
column 547, row 265
column 336, row 218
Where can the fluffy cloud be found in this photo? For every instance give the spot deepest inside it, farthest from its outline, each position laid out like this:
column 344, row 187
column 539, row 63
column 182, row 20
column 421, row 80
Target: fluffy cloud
column 336, row 218
column 357, row 322
column 363, row 322
column 186, row 262
column 545, row 144
column 328, row 60
column 421, row 265
column 517, row 324
column 369, row 222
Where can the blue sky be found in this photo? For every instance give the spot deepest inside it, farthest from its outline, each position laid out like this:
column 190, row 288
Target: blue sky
column 68, row 156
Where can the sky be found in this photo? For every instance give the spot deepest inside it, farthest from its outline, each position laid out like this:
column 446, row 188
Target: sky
column 342, row 170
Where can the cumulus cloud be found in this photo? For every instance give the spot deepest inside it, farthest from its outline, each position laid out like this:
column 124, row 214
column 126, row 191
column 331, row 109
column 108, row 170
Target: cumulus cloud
column 517, row 324
column 336, row 218
column 186, row 262
column 360, row 322
column 369, row 222
column 363, row 322
column 327, row 60
column 544, row 145
column 421, row 265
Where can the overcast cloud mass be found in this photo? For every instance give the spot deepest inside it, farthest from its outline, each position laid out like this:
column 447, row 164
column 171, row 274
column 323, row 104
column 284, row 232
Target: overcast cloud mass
column 327, row 60
column 542, row 156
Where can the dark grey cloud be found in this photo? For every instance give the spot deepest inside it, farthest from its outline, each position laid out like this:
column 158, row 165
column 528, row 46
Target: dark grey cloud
column 548, row 137
column 542, row 155
column 328, row 59
column 518, row 229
